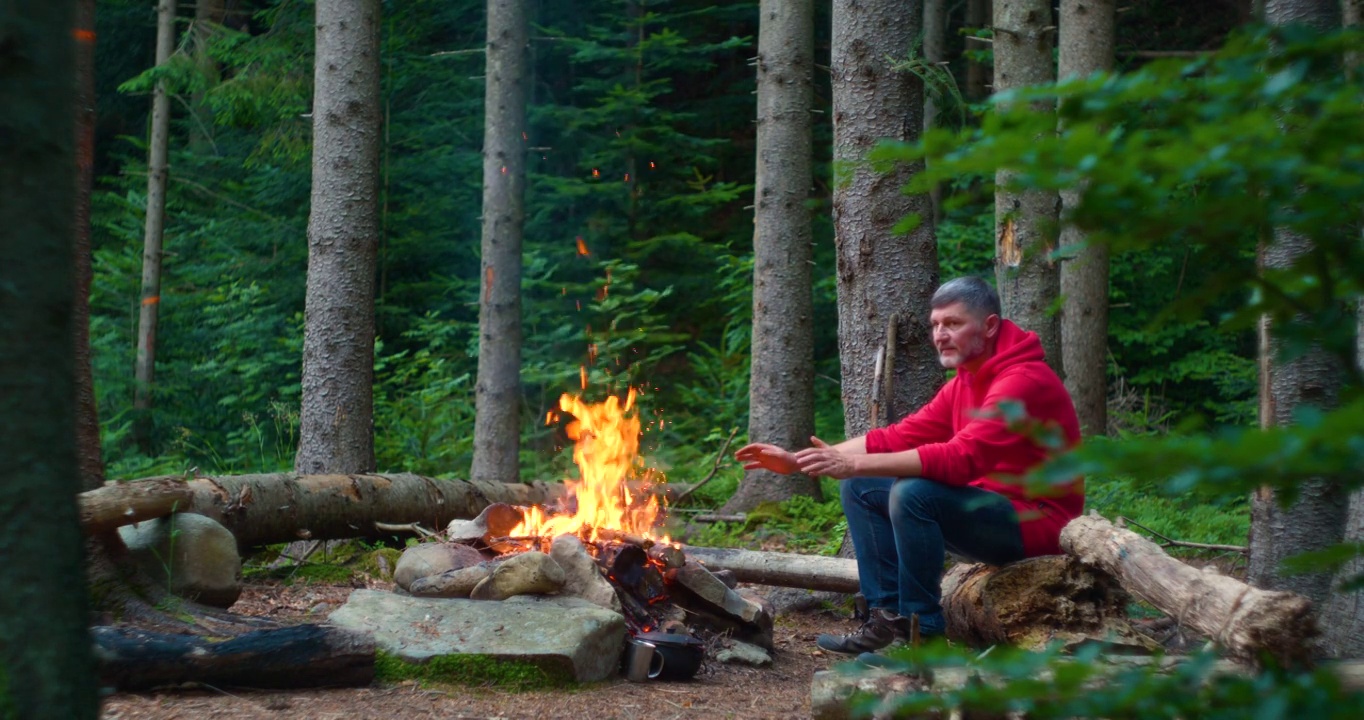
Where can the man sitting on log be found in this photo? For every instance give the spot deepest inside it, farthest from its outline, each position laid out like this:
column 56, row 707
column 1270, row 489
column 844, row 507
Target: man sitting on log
column 945, row 478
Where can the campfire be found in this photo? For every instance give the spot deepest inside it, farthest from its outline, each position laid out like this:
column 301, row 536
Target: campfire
column 602, row 544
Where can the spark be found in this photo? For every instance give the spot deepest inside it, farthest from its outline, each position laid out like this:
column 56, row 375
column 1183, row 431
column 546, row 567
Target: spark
column 596, row 172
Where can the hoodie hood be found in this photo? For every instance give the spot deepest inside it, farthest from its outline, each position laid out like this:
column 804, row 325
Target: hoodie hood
column 1013, row 346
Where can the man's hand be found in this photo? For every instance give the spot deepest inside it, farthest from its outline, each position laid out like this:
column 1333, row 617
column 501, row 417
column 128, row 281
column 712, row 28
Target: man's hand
column 823, row 459
column 762, row 456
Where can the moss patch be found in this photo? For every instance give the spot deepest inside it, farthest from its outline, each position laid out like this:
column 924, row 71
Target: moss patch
column 471, row 670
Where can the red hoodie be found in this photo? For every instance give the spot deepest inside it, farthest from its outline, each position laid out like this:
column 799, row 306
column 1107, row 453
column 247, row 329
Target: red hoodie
column 960, row 447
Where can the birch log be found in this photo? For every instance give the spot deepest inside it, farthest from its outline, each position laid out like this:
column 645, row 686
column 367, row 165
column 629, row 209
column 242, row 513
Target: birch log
column 812, row 572
column 1249, row 623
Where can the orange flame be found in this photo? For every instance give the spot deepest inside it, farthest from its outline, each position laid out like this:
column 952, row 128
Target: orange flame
column 606, row 437
column 582, row 246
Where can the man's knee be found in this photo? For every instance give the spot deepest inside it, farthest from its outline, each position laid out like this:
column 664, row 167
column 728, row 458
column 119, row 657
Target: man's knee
column 869, row 492
column 912, row 495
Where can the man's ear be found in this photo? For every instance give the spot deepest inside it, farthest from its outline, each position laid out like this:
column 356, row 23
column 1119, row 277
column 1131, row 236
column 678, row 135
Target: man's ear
column 992, row 325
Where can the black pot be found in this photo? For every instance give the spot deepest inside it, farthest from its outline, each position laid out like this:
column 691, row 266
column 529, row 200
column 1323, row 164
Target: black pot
column 676, row 656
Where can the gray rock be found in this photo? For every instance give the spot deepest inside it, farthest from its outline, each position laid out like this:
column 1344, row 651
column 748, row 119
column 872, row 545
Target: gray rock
column 529, row 573
column 741, row 653
column 193, row 555
column 427, row 559
column 558, row 634
column 582, row 578
column 451, row 583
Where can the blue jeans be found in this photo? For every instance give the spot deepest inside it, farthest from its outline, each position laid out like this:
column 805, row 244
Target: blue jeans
column 901, row 529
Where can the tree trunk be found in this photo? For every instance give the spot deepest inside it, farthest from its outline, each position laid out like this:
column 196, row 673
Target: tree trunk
column 46, row 668
column 935, row 53
column 336, row 420
column 497, row 423
column 289, row 657
column 1017, row 604
column 782, row 376
column 811, row 572
column 1247, row 622
column 1342, row 617
column 881, row 275
column 978, row 15
column 1317, row 519
column 157, row 172
column 89, row 458
column 1086, row 47
column 208, row 15
column 1028, row 279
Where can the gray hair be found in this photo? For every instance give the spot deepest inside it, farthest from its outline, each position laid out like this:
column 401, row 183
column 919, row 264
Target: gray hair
column 976, row 294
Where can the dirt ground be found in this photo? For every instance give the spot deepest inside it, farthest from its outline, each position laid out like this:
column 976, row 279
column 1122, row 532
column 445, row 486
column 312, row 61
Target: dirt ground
column 718, row 691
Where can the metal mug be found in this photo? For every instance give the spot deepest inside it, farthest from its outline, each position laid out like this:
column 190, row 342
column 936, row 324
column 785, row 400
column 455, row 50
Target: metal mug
column 641, row 662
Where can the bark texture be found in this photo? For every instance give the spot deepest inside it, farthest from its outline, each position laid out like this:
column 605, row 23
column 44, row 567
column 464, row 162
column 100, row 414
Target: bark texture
column 336, row 420
column 782, row 376
column 289, row 657
column 45, row 661
column 1343, row 614
column 89, row 457
column 158, row 169
column 978, row 15
column 935, row 53
column 497, row 423
column 1029, row 281
column 1087, row 30
column 811, row 572
column 282, row 507
column 1249, row 623
column 880, row 274
column 1032, row 603
column 1317, row 519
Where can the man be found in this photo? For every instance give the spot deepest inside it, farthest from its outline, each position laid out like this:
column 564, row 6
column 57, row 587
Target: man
column 945, row 477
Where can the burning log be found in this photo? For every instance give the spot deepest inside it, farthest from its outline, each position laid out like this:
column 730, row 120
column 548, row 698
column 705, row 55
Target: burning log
column 289, row 657
column 1248, row 622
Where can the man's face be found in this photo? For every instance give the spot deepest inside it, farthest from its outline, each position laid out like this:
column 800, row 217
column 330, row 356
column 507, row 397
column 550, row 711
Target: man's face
column 960, row 337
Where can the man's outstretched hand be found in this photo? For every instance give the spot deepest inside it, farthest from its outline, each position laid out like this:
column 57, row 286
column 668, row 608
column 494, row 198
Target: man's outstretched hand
column 824, row 459
column 762, row 456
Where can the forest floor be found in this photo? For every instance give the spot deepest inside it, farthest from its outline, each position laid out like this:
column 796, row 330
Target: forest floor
column 781, row 690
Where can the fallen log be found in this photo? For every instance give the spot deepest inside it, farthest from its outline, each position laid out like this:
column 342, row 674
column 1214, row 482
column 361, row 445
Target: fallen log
column 290, row 657
column 284, row 507
column 1034, row 603
column 111, row 506
column 812, row 572
column 1249, row 623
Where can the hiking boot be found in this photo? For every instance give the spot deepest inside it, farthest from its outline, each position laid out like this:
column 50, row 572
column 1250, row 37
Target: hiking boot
column 881, row 629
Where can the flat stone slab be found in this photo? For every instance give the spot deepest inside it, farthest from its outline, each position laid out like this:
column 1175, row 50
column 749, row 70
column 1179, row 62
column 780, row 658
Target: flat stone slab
column 563, row 635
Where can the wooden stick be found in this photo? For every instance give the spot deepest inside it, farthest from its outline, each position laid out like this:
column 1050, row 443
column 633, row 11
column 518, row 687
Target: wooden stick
column 715, row 518
column 415, row 528
column 1183, row 543
column 719, row 457
column 888, row 383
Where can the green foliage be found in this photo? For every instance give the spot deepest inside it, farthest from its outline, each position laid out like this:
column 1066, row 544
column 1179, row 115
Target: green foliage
column 1053, row 685
column 797, row 525
column 1189, row 518
column 471, row 670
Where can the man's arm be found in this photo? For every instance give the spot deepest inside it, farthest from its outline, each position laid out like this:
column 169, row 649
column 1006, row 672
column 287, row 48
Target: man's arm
column 850, row 459
column 765, row 456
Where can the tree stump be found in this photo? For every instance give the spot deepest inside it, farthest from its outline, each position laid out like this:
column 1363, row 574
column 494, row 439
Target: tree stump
column 1033, row 603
